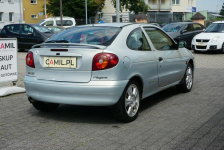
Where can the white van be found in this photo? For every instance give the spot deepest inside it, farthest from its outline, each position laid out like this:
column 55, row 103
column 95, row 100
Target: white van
column 56, row 21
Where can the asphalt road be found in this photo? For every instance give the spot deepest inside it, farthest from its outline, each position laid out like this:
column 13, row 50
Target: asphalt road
column 167, row 120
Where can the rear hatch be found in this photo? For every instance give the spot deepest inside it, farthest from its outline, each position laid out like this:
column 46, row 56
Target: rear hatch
column 56, row 62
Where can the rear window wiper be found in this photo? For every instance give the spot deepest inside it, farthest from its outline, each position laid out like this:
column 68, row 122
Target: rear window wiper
column 57, row 41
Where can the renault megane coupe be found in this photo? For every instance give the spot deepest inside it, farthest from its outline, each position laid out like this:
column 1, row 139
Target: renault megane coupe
column 111, row 64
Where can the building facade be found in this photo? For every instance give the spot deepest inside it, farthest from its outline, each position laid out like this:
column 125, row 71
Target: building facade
column 160, row 11
column 10, row 12
column 32, row 9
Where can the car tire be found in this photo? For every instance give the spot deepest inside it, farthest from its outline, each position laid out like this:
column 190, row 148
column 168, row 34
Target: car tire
column 45, row 107
column 187, row 81
column 222, row 49
column 127, row 108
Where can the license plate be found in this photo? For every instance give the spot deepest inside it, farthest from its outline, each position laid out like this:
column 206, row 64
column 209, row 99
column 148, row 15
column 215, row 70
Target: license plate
column 60, row 62
column 201, row 44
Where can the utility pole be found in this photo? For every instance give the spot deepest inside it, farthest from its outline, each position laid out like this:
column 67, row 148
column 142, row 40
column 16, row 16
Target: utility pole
column 45, row 10
column 20, row 14
column 117, row 10
column 86, row 11
column 61, row 15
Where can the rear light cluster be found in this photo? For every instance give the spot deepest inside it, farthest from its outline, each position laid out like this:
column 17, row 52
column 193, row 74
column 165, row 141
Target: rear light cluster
column 104, row 61
column 30, row 60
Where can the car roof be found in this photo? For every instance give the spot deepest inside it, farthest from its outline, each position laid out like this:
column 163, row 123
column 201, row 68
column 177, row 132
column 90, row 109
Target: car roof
column 182, row 22
column 219, row 21
column 23, row 24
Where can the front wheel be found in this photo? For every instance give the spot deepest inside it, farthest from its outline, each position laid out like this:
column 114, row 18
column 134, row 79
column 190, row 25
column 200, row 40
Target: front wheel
column 45, row 107
column 187, row 83
column 127, row 108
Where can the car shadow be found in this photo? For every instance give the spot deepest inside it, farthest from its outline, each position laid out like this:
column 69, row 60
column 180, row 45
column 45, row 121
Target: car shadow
column 96, row 114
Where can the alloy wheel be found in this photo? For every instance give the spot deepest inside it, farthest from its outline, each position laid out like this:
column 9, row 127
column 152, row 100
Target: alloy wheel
column 132, row 99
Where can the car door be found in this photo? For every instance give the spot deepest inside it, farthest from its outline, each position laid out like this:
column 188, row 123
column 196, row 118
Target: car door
column 171, row 65
column 29, row 36
column 143, row 59
column 186, row 34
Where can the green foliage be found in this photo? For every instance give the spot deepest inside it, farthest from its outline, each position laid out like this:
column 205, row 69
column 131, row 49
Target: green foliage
column 133, row 5
column 222, row 10
column 74, row 8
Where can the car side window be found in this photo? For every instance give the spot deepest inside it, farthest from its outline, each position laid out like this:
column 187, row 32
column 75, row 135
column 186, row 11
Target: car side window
column 197, row 27
column 13, row 28
column 26, row 29
column 137, row 41
column 187, row 28
column 48, row 23
column 160, row 40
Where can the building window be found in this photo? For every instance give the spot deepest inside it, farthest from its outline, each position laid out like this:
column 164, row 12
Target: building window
column 1, row 16
column 153, row 2
column 11, row 16
column 34, row 16
column 33, row 1
column 176, row 2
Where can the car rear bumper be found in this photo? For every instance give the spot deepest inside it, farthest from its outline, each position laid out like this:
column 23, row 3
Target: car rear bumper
column 94, row 93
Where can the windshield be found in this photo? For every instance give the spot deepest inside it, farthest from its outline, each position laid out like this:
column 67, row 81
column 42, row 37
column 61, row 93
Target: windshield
column 87, row 35
column 215, row 27
column 42, row 29
column 41, row 22
column 172, row 27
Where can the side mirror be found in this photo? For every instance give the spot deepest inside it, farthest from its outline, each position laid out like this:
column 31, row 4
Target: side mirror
column 182, row 44
column 30, row 33
column 204, row 30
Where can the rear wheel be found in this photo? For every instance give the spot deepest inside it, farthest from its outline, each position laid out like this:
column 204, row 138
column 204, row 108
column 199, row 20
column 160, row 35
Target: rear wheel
column 187, row 83
column 46, row 107
column 127, row 108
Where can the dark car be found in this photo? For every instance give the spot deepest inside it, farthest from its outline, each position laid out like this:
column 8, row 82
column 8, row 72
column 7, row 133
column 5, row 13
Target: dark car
column 56, row 29
column 183, row 31
column 27, row 34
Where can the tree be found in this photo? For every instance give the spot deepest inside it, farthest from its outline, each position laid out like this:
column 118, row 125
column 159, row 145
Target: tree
column 133, row 5
column 222, row 10
column 75, row 8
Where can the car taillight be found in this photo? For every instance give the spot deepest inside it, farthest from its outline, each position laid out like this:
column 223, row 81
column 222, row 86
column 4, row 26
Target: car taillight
column 30, row 60
column 104, row 61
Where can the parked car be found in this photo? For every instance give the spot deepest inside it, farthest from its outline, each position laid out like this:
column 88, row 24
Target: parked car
column 55, row 29
column 107, row 64
column 156, row 24
column 27, row 34
column 183, row 31
column 56, row 21
column 211, row 39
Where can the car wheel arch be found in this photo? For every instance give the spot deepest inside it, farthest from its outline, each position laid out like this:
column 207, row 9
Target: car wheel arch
column 139, row 80
column 192, row 63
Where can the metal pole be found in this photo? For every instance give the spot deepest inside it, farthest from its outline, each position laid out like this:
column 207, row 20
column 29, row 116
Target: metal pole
column 86, row 12
column 61, row 13
column 118, row 10
column 20, row 18
column 45, row 10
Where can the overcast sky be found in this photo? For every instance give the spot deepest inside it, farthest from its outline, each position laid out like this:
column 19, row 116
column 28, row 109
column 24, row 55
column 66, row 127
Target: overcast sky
column 210, row 5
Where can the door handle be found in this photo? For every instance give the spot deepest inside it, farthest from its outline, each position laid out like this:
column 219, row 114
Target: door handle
column 160, row 58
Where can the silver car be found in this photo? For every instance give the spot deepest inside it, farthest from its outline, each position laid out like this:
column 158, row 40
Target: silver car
column 111, row 64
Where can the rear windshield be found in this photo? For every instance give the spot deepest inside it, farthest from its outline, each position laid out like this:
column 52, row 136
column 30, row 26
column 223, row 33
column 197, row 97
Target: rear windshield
column 87, row 35
column 42, row 29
